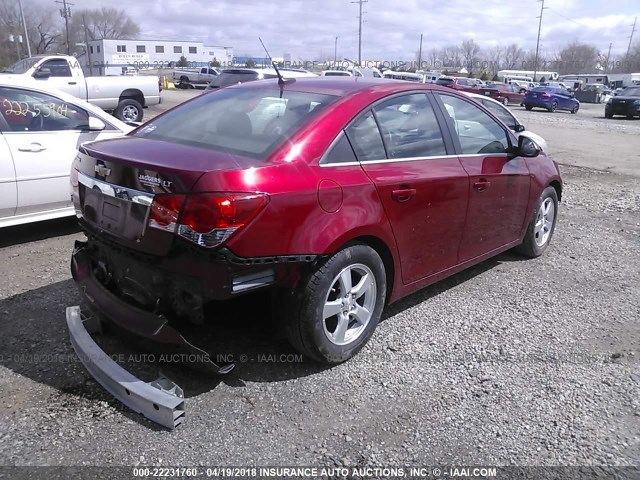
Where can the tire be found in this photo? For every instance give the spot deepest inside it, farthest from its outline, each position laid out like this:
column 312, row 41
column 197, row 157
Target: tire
column 528, row 107
column 553, row 107
column 184, row 79
column 129, row 110
column 523, row 90
column 538, row 235
column 607, row 114
column 575, row 109
column 505, row 101
column 318, row 337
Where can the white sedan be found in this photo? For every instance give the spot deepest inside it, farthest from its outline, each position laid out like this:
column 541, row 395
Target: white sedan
column 509, row 119
column 40, row 132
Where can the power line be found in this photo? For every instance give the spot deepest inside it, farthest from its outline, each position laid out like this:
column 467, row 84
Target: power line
column 360, row 2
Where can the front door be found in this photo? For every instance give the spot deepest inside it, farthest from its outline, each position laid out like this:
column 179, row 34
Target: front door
column 499, row 182
column 8, row 189
column 65, row 78
column 424, row 189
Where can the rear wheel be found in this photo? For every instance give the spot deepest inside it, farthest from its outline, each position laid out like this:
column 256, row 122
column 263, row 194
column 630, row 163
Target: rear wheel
column 553, row 107
column 542, row 225
column 528, row 107
column 505, row 101
column 129, row 110
column 575, row 108
column 607, row 114
column 335, row 312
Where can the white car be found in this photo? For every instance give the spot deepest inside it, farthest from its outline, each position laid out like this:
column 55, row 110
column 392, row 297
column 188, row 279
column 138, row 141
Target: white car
column 40, row 131
column 504, row 114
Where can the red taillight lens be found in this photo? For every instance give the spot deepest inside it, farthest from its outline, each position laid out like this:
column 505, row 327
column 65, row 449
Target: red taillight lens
column 165, row 211
column 207, row 219
column 205, row 212
column 546, row 95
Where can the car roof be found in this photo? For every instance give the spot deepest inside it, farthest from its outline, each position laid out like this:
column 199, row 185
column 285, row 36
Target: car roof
column 347, row 86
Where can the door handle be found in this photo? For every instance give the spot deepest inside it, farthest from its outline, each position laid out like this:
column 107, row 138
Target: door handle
column 34, row 147
column 73, row 83
column 403, row 195
column 481, row 185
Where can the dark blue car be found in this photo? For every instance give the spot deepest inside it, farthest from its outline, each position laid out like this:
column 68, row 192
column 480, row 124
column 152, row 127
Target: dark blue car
column 551, row 98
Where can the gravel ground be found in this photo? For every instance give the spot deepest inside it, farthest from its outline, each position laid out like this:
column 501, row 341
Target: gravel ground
column 513, row 362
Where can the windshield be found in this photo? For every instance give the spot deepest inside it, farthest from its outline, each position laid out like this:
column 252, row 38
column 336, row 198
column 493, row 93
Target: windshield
column 631, row 92
column 243, row 121
column 444, row 81
column 22, row 66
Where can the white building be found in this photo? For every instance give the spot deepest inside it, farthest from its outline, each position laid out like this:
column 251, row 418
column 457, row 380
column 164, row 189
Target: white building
column 115, row 57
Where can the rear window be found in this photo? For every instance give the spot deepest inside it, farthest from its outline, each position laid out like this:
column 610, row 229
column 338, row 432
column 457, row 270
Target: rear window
column 631, row 92
column 245, row 121
column 231, row 78
column 444, row 81
column 541, row 89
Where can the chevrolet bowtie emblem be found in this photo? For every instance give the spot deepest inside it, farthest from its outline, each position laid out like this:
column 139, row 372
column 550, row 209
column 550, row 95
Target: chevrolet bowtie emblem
column 102, row 170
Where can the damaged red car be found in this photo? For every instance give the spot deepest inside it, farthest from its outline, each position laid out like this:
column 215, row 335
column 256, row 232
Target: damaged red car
column 342, row 195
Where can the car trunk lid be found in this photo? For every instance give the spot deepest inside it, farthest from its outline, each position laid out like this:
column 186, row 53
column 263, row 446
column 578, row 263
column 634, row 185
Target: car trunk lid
column 115, row 182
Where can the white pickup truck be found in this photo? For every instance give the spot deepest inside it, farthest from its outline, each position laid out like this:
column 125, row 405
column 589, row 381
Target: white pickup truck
column 201, row 76
column 125, row 96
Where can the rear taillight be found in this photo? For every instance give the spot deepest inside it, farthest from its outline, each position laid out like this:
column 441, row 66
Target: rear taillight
column 545, row 95
column 207, row 219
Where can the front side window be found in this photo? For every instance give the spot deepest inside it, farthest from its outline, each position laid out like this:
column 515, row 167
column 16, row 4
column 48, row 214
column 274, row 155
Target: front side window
column 365, row 138
column 58, row 67
column 477, row 132
column 409, row 127
column 27, row 111
column 501, row 112
column 245, row 121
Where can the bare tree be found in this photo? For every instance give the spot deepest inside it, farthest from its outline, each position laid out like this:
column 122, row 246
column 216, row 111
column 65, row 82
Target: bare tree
column 470, row 50
column 434, row 57
column 512, row 56
column 451, row 56
column 577, row 57
column 494, row 57
column 108, row 23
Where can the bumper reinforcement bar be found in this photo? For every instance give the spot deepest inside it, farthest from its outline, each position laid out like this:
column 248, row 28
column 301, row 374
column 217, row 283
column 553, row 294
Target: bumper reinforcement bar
column 161, row 401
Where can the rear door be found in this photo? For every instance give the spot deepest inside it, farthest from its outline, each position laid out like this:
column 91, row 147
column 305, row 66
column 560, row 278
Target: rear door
column 499, row 182
column 421, row 183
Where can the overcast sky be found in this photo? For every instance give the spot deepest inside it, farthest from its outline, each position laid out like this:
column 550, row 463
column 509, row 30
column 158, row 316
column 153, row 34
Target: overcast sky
column 307, row 29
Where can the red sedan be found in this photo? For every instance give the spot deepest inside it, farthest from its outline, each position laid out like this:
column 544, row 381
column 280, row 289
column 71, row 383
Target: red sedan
column 505, row 93
column 342, row 195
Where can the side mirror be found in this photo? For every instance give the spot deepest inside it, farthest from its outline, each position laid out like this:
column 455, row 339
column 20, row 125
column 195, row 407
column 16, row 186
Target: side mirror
column 96, row 125
column 519, row 128
column 42, row 72
column 527, row 147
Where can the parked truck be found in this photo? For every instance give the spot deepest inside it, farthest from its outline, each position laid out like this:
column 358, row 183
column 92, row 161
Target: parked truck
column 191, row 77
column 124, row 96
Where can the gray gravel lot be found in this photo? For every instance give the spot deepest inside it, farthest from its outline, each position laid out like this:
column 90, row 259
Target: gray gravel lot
column 513, row 362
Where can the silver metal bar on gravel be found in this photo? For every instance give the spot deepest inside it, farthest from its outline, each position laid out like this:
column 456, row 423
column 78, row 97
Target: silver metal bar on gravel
column 161, row 401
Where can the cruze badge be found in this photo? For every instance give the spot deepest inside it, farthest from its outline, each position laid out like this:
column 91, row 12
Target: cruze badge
column 153, row 181
column 102, row 170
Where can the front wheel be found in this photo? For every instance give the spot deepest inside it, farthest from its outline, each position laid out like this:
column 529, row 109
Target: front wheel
column 607, row 114
column 528, row 107
column 575, row 109
column 542, row 225
column 553, row 107
column 505, row 101
column 333, row 315
column 129, row 110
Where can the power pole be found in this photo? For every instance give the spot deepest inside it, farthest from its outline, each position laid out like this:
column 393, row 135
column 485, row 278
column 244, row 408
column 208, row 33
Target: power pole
column 360, row 2
column 86, row 43
column 24, row 25
column 335, row 54
column 633, row 30
column 65, row 12
column 420, row 54
column 606, row 63
column 535, row 67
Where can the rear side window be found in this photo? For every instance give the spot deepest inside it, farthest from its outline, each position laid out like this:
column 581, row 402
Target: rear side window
column 243, row 121
column 410, row 127
column 365, row 138
column 340, row 152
